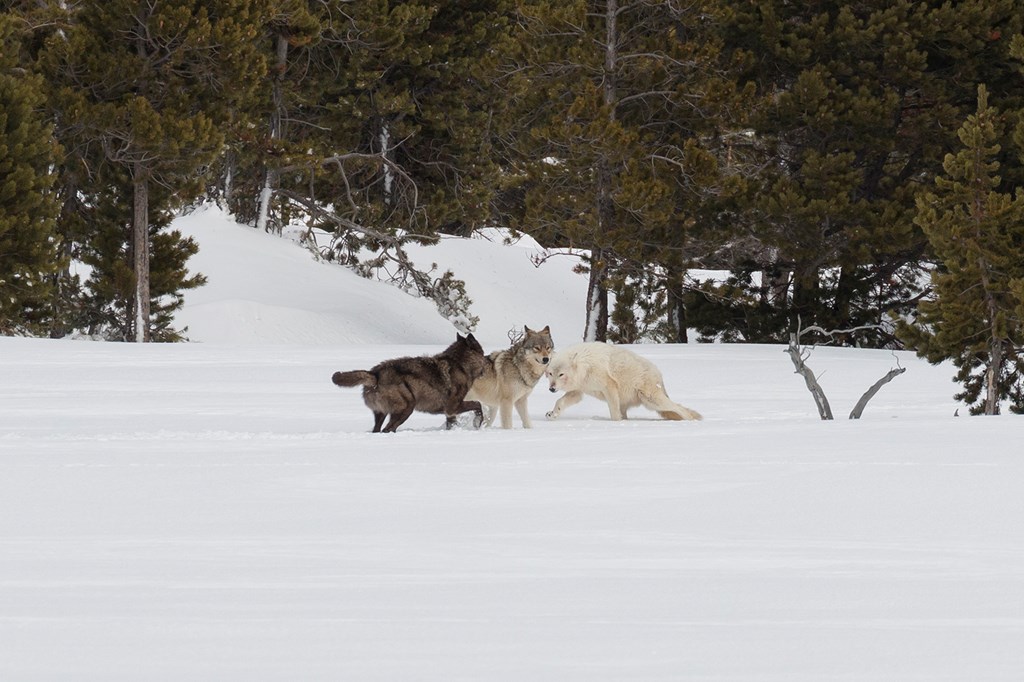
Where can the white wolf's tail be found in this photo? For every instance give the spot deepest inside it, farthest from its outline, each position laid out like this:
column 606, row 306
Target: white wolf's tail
column 664, row 406
column 680, row 413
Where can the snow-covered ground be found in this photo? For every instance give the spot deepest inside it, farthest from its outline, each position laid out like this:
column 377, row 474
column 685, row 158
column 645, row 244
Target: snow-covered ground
column 218, row 510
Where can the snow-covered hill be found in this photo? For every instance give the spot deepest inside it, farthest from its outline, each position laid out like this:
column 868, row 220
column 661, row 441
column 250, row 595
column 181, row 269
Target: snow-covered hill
column 219, row 511
column 266, row 290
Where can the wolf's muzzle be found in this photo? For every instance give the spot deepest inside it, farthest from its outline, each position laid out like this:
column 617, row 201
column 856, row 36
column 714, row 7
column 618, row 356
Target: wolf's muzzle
column 544, row 361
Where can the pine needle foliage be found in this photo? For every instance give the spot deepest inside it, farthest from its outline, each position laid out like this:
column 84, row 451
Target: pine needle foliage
column 29, row 257
column 975, row 225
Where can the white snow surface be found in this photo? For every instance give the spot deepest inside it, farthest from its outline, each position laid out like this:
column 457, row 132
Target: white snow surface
column 266, row 290
column 219, row 511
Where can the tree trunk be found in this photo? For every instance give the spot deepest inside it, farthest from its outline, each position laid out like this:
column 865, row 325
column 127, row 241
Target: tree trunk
column 140, row 251
column 384, row 139
column 843, row 302
column 992, row 374
column 676, row 307
column 805, row 307
column 229, row 178
column 597, row 291
column 995, row 343
column 775, row 288
column 597, row 299
column 271, row 175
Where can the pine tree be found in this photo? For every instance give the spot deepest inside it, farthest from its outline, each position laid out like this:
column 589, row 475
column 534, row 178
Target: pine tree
column 28, row 204
column 142, row 93
column 385, row 114
column 858, row 105
column 621, row 98
column 976, row 229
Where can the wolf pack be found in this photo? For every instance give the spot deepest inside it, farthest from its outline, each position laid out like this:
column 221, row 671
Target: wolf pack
column 462, row 378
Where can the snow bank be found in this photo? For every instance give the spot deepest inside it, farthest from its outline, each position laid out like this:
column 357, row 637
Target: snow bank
column 265, row 290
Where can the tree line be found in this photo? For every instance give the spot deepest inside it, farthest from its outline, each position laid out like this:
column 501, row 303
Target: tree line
column 851, row 167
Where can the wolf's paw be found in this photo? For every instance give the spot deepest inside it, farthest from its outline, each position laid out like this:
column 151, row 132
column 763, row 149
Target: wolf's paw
column 553, row 414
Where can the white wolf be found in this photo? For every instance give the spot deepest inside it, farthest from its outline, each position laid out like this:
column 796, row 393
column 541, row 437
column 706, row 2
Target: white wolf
column 613, row 374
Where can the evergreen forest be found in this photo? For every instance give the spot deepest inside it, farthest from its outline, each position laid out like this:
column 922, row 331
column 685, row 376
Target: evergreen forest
column 728, row 169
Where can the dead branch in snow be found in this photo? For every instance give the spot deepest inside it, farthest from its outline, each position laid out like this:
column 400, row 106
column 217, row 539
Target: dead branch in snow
column 870, row 393
column 799, row 357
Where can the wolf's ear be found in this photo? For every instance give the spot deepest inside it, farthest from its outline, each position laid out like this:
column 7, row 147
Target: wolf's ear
column 527, row 329
column 458, row 337
column 546, row 329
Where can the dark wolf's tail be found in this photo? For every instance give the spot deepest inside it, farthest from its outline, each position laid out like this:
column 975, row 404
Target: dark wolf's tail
column 357, row 377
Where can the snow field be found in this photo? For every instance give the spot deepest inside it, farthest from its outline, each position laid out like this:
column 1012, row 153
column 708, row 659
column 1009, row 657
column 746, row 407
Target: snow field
column 219, row 510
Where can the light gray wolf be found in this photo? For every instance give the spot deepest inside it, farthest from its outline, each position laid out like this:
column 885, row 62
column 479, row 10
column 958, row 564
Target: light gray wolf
column 434, row 384
column 613, row 374
column 511, row 375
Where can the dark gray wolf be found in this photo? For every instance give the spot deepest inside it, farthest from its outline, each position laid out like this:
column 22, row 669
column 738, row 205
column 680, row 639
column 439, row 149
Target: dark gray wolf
column 511, row 375
column 435, row 384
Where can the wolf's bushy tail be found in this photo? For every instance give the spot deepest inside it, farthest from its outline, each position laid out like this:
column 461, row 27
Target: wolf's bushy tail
column 681, row 414
column 358, row 377
column 663, row 405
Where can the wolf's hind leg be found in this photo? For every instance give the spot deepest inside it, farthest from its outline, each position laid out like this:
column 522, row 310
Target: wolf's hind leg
column 378, row 420
column 466, row 406
column 616, row 409
column 397, row 419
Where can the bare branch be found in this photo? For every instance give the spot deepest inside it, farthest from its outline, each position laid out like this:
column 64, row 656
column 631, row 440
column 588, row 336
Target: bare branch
column 830, row 333
column 870, row 393
column 798, row 356
column 824, row 409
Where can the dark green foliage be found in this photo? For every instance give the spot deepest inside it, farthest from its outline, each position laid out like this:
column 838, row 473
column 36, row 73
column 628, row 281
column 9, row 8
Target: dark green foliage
column 376, row 127
column 615, row 144
column 975, row 225
column 105, row 309
column 859, row 104
column 781, row 143
column 386, row 113
column 29, row 257
column 141, row 92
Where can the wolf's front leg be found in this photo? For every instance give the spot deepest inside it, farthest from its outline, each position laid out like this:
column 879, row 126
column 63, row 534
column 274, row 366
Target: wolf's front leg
column 611, row 396
column 567, row 400
column 524, row 414
column 505, row 407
